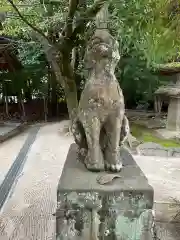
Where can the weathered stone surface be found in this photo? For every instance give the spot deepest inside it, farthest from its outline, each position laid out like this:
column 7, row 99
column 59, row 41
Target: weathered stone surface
column 154, row 149
column 173, row 120
column 100, row 125
column 131, row 176
column 167, row 134
column 175, row 152
column 89, row 210
column 155, row 123
column 9, row 130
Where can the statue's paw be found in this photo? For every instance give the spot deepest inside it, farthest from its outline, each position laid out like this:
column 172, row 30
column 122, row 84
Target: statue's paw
column 95, row 167
column 113, row 167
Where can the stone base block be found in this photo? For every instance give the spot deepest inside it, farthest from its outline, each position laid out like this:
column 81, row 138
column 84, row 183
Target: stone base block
column 121, row 209
column 173, row 119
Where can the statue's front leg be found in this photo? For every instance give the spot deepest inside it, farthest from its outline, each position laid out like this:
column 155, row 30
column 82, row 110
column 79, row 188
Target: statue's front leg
column 94, row 160
column 113, row 160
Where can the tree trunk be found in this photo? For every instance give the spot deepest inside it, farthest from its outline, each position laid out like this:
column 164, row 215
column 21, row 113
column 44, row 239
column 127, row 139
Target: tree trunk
column 61, row 66
column 49, row 90
column 45, row 109
column 21, row 105
column 5, row 97
column 27, row 93
column 74, row 58
column 7, row 106
column 53, row 94
column 23, row 110
column 70, row 88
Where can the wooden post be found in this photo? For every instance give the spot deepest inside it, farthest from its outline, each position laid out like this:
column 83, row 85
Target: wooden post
column 22, row 105
column 5, row 96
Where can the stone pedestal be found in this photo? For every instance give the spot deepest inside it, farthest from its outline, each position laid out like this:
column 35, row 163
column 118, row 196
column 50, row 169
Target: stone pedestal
column 173, row 120
column 119, row 210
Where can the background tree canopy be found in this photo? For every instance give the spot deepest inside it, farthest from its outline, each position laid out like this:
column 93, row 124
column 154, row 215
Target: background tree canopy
column 147, row 30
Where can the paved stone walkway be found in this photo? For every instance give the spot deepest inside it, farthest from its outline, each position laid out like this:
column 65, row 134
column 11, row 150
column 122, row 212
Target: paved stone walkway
column 8, row 152
column 164, row 175
column 28, row 213
column 17, row 165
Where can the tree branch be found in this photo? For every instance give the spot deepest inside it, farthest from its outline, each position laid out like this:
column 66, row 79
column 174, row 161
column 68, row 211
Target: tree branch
column 66, row 44
column 69, row 23
column 89, row 14
column 51, row 55
column 84, row 18
column 25, row 20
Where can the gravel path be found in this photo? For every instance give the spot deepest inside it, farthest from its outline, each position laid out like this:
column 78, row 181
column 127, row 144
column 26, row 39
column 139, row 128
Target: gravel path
column 9, row 150
column 28, row 213
column 17, row 166
column 163, row 174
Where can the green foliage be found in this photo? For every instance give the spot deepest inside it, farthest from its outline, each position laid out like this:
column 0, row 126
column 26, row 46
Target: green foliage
column 31, row 53
column 137, row 81
column 147, row 31
column 42, row 88
column 36, row 14
column 34, row 62
column 34, row 69
column 147, row 37
column 144, row 26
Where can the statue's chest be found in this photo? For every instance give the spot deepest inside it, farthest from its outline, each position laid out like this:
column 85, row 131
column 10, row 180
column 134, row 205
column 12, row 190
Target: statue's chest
column 102, row 90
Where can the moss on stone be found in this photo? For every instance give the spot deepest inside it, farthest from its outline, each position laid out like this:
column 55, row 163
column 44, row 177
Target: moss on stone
column 146, row 135
column 169, row 65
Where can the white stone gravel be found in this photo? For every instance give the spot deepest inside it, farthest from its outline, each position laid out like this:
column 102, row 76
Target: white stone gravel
column 27, row 215
column 163, row 174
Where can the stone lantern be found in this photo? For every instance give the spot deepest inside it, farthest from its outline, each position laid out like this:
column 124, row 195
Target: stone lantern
column 170, row 92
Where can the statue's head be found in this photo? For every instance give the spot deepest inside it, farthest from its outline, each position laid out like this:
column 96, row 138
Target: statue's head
column 102, row 49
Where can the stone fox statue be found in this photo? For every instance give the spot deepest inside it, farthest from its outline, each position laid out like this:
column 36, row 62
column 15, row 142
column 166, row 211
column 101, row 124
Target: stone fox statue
column 100, row 114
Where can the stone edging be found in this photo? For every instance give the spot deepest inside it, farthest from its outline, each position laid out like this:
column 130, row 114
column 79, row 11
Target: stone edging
column 22, row 127
column 154, row 149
